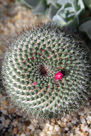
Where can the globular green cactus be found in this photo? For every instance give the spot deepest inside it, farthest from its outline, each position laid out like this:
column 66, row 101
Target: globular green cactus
column 46, row 71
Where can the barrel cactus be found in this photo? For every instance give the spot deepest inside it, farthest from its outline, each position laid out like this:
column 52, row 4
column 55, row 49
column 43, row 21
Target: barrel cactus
column 46, row 71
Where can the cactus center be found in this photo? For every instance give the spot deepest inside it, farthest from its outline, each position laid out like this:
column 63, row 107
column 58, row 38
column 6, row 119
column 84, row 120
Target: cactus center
column 43, row 70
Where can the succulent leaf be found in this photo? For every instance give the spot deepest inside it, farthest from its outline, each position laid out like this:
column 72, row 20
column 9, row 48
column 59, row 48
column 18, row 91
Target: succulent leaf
column 88, row 3
column 86, row 27
column 69, row 11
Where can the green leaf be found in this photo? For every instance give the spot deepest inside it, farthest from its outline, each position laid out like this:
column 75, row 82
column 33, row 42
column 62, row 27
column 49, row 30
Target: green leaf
column 31, row 3
column 52, row 11
column 69, row 11
column 52, row 2
column 40, row 8
column 88, row 3
column 60, row 21
column 86, row 27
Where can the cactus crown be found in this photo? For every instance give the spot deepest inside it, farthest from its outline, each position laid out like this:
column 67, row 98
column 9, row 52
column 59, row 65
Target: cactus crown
column 46, row 71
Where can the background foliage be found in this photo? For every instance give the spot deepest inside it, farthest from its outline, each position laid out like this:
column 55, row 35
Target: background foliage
column 74, row 13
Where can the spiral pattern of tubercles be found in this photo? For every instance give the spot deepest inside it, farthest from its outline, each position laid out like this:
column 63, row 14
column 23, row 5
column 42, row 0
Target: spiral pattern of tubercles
column 31, row 63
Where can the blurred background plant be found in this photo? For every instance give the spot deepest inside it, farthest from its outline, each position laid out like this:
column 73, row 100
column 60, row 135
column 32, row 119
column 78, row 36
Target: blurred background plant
column 73, row 13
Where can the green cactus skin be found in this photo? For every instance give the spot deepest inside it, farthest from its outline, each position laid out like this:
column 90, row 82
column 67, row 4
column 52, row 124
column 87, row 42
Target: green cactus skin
column 30, row 64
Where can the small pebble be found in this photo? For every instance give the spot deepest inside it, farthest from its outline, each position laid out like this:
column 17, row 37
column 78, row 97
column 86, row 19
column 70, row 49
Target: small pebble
column 56, row 128
column 42, row 134
column 71, row 134
column 22, row 135
column 84, row 128
column 88, row 118
column 82, row 120
column 51, row 128
column 89, row 132
column 15, row 130
column 31, row 127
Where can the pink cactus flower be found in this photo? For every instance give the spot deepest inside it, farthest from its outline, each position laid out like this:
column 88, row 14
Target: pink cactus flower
column 34, row 83
column 58, row 76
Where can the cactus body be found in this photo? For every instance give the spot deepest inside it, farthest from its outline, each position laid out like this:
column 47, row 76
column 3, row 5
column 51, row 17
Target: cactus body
column 30, row 66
